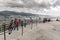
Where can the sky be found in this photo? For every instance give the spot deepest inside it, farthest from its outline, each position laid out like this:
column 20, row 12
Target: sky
column 45, row 7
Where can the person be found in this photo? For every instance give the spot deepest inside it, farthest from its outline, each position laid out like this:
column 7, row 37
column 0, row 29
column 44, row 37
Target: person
column 10, row 27
column 44, row 20
column 31, row 21
column 16, row 23
column 49, row 20
column 24, row 23
column 57, row 20
column 21, row 23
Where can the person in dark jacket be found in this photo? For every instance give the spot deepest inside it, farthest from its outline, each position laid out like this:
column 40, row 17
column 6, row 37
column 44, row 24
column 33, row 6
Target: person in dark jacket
column 57, row 19
column 44, row 20
column 49, row 20
column 10, row 27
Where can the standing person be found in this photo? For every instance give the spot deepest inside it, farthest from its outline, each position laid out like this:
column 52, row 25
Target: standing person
column 24, row 23
column 31, row 22
column 16, row 23
column 57, row 20
column 49, row 20
column 19, row 22
column 10, row 27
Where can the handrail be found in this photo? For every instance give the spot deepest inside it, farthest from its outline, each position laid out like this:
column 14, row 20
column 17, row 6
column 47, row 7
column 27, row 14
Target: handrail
column 3, row 33
column 1, row 29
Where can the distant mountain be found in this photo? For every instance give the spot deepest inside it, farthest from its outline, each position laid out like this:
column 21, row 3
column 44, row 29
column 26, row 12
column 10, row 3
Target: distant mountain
column 8, row 13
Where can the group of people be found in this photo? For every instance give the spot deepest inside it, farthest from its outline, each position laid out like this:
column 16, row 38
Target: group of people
column 46, row 20
column 13, row 25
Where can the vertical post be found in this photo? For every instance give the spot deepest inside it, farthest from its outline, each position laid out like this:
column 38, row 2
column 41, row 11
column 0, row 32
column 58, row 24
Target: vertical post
column 36, row 21
column 31, row 25
column 31, row 22
column 4, row 34
column 22, row 30
column 22, row 27
column 4, row 31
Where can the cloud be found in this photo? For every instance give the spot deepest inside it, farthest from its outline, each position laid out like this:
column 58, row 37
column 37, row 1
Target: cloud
column 57, row 3
column 30, row 3
column 40, row 6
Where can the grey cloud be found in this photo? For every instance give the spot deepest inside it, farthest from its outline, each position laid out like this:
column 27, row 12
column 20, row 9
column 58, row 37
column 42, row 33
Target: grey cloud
column 32, row 4
column 57, row 3
column 27, row 4
column 14, row 5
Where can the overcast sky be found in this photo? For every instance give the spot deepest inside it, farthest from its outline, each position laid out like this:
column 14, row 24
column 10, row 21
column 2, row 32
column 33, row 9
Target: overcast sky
column 46, row 7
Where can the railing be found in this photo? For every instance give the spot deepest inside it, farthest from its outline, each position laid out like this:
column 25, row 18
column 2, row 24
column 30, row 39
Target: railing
column 2, row 28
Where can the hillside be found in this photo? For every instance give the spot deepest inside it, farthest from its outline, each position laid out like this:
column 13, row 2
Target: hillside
column 8, row 13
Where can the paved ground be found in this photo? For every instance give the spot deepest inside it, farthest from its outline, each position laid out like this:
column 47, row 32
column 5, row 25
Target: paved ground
column 43, row 31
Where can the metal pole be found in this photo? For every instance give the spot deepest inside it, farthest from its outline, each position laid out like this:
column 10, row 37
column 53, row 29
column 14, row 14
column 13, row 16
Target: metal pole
column 36, row 22
column 4, row 31
column 31, row 26
column 22, row 27
column 22, row 30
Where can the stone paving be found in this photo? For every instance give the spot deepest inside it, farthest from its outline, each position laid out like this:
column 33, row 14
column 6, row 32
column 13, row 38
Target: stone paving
column 43, row 31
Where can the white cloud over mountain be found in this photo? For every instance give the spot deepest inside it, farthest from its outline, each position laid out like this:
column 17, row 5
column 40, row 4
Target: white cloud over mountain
column 42, row 6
